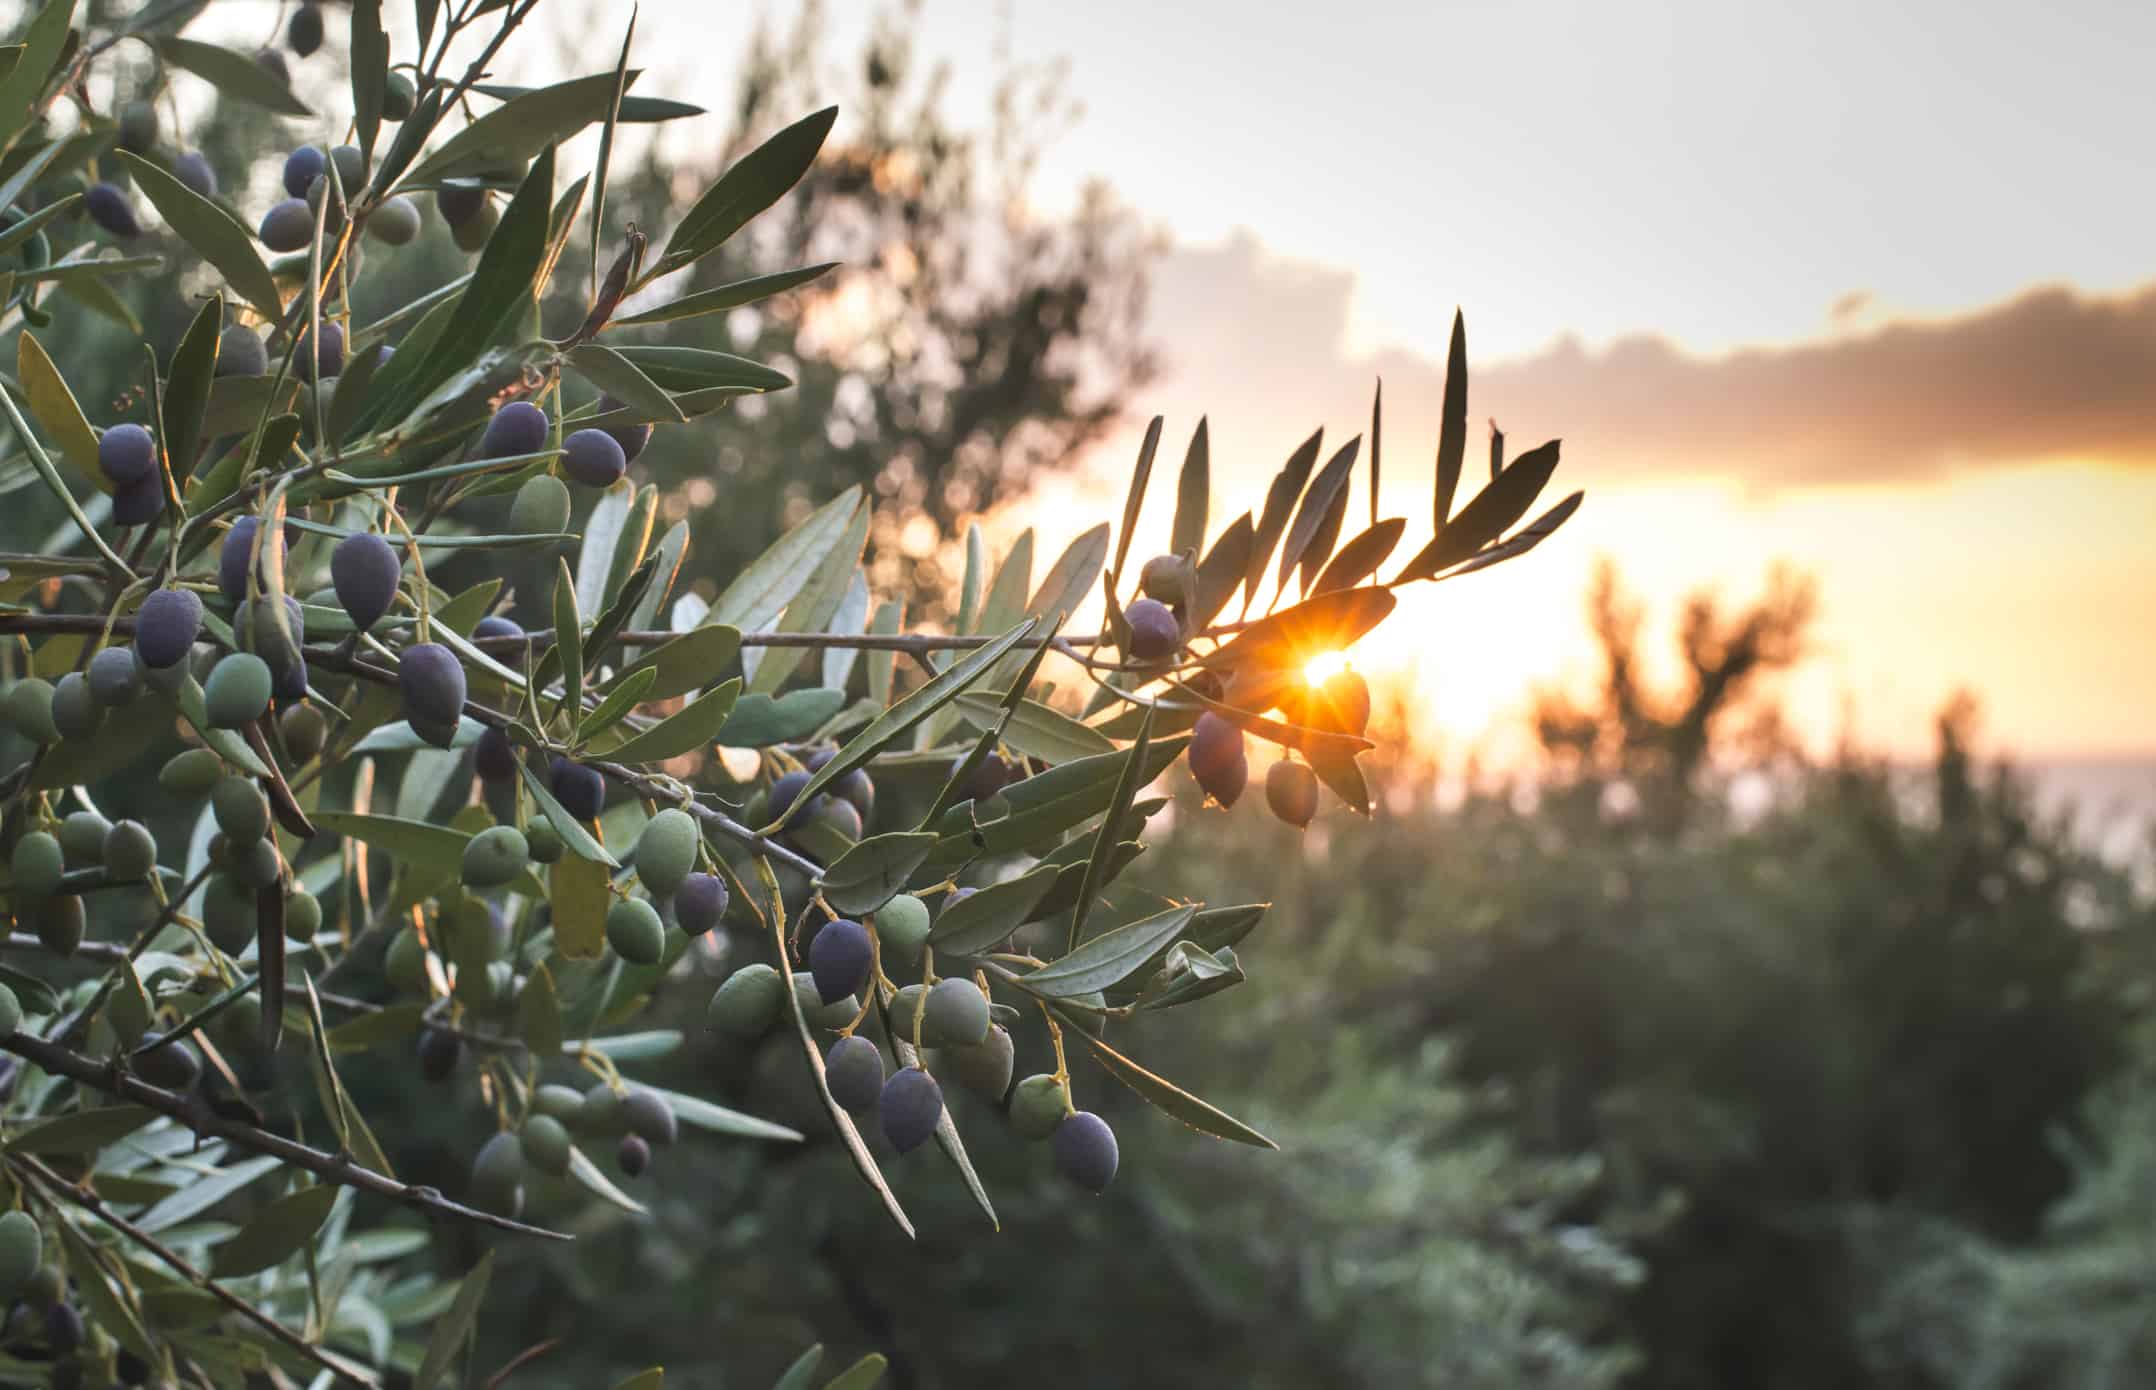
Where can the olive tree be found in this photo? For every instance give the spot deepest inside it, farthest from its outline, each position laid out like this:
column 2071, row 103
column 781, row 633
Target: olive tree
column 403, row 818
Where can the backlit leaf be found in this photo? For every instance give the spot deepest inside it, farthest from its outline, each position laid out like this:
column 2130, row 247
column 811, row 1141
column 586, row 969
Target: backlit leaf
column 234, row 74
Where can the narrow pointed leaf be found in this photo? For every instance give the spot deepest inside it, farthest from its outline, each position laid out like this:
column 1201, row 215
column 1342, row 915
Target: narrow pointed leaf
column 1280, row 499
column 1110, row 958
column 1168, row 1097
column 1126, row 791
column 370, row 75
column 1524, row 539
column 1486, row 515
column 975, row 923
column 234, row 74
column 702, row 1114
column 758, row 721
column 1452, row 426
column 693, row 726
column 721, row 298
column 761, row 591
column 502, row 140
column 1320, row 511
column 277, row 1232
column 42, row 41
column 572, row 831
column 1134, row 500
column 1288, row 639
column 918, row 704
column 689, row 662
column 1193, row 494
column 449, row 1334
column 883, row 664
column 625, row 381
column 757, row 181
column 1377, row 444
column 1222, row 570
column 818, row 602
column 187, row 388
column 56, row 411
column 437, row 847
column 577, row 891
column 867, row 876
column 1360, row 557
column 1035, row 729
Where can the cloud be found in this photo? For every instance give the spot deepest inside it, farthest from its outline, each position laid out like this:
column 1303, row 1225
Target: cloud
column 2051, row 373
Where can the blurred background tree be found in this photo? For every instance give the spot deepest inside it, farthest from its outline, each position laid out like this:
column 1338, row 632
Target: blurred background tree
column 964, row 342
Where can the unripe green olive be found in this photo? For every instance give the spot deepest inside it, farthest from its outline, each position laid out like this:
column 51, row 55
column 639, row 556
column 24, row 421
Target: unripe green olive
column 635, row 932
column 242, row 812
column 129, row 851
column 302, row 916
column 191, row 774
column 405, row 962
column 546, row 1144
column 957, row 1015
column 563, row 1103
column 304, row 729
column 238, row 690
column 22, row 1252
column 60, row 924
column 495, row 857
column 746, row 1005
column 228, row 912
column 909, row 1015
column 38, row 863
column 75, row 710
column 541, row 507
column 498, row 1176
column 82, row 839
column 902, row 928
column 1038, row 1105
column 29, row 709
column 601, row 1114
column 543, row 842
column 666, row 851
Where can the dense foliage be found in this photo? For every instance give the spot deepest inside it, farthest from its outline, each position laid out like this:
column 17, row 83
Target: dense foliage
column 300, row 801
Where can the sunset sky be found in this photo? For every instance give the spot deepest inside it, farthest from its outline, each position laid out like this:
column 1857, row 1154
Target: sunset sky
column 1864, row 289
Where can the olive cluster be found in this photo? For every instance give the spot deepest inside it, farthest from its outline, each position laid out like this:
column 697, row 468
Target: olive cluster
column 44, row 1324
column 931, row 1025
column 1217, row 755
column 635, row 1119
column 287, row 226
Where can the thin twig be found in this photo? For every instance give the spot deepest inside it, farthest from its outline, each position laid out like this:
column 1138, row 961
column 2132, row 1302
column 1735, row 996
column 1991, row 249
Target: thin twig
column 195, row 1114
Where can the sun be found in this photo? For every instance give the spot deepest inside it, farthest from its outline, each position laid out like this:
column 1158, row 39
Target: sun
column 1324, row 666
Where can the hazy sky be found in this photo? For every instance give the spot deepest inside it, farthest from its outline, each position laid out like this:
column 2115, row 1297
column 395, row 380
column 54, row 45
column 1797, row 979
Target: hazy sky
column 1867, row 288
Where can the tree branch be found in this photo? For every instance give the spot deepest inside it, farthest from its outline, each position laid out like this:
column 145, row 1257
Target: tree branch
column 193, row 1113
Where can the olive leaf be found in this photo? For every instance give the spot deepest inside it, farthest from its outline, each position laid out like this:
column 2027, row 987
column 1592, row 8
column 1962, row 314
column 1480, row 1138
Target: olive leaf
column 695, row 725
column 1110, row 958
column 720, row 298
column 455, row 1326
column 233, row 74
column 757, row 181
column 277, row 1232
column 868, row 875
column 1193, row 494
